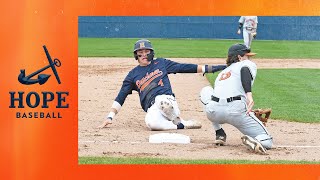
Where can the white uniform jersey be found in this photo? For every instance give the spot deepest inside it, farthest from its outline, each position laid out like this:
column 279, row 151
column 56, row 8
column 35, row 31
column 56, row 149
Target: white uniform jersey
column 228, row 83
column 249, row 22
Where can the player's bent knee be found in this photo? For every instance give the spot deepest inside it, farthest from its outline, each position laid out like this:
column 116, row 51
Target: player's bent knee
column 154, row 126
column 205, row 94
column 158, row 126
column 210, row 116
column 151, row 123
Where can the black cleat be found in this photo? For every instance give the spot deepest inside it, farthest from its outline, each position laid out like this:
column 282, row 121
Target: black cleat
column 221, row 137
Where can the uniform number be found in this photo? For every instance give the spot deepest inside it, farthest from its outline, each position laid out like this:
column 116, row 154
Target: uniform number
column 160, row 83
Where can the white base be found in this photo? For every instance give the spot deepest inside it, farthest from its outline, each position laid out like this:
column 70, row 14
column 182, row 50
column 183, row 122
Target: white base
column 169, row 138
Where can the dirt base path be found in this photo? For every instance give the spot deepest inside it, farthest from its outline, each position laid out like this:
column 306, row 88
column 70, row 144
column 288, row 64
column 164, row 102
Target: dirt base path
column 100, row 80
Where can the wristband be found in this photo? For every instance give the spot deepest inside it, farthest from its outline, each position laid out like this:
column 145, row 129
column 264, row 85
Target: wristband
column 204, row 68
column 111, row 115
column 116, row 106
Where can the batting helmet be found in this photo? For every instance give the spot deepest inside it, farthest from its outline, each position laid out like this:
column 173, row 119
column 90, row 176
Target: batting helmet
column 239, row 49
column 143, row 44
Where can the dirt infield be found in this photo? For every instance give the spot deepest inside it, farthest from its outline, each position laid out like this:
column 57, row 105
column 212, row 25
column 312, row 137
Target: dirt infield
column 100, row 80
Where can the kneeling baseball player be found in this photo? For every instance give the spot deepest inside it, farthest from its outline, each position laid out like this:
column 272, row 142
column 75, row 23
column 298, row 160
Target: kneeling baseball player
column 150, row 80
column 231, row 101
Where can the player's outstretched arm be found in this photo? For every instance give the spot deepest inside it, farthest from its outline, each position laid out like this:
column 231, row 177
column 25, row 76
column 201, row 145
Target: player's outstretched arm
column 118, row 102
column 114, row 110
column 210, row 68
column 175, row 67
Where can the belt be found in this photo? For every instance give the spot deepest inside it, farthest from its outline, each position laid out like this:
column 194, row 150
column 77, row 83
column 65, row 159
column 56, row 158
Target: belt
column 230, row 99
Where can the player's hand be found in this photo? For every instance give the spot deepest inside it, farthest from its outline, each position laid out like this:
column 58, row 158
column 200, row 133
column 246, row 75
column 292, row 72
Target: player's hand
column 250, row 106
column 239, row 31
column 105, row 123
column 250, row 102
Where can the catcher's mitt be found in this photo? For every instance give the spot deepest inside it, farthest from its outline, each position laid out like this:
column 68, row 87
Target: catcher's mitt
column 259, row 114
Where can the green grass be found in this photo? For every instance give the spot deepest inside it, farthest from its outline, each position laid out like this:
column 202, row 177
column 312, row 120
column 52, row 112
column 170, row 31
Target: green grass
column 293, row 94
column 203, row 48
column 114, row 160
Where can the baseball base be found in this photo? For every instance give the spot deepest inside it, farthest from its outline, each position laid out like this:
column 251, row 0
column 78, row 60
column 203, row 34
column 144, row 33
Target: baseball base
column 169, row 138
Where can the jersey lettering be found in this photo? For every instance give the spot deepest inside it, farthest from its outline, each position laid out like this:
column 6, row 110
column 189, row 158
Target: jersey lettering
column 250, row 22
column 147, row 79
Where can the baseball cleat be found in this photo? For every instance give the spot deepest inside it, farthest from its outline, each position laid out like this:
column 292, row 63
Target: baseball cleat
column 191, row 124
column 221, row 137
column 168, row 110
column 166, row 107
column 220, row 140
column 253, row 144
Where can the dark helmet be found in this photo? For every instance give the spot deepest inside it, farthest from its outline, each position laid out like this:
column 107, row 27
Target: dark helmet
column 235, row 50
column 143, row 44
column 239, row 49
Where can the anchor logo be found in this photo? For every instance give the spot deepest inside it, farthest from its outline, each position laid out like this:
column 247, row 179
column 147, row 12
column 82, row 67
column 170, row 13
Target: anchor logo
column 42, row 78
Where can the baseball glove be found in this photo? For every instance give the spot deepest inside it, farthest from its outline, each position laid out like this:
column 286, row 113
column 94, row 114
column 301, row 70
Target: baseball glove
column 254, row 35
column 262, row 114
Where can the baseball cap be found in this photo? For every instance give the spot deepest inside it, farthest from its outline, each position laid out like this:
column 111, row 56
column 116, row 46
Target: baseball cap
column 240, row 49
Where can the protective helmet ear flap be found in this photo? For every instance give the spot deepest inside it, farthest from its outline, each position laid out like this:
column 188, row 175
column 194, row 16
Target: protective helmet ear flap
column 150, row 56
column 135, row 55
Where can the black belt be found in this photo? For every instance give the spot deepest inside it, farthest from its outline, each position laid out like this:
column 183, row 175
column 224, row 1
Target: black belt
column 230, row 99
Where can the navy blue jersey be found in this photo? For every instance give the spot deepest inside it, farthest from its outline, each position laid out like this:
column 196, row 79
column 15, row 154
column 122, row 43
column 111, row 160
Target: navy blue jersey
column 152, row 80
